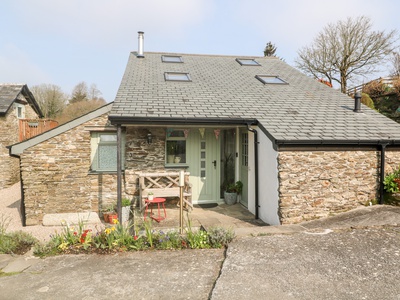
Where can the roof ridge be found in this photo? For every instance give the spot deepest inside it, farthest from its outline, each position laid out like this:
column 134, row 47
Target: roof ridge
column 207, row 55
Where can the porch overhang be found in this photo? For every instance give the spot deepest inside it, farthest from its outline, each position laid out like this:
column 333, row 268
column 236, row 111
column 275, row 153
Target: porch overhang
column 124, row 120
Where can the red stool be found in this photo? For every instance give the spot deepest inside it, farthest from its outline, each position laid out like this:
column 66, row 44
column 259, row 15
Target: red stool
column 150, row 203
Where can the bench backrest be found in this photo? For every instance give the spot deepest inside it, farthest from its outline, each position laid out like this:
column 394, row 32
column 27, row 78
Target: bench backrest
column 162, row 180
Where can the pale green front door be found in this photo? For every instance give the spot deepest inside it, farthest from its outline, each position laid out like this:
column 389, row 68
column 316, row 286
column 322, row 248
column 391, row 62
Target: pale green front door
column 204, row 166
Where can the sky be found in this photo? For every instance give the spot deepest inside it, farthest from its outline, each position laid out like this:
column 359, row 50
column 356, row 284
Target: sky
column 64, row 42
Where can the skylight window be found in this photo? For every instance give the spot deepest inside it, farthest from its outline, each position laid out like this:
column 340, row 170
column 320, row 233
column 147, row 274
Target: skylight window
column 268, row 79
column 247, row 62
column 174, row 76
column 171, row 59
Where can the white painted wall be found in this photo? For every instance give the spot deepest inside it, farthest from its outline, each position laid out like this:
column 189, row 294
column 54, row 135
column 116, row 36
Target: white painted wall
column 268, row 195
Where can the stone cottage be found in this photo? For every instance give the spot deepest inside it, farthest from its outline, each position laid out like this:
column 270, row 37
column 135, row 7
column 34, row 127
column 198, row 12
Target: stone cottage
column 16, row 103
column 301, row 149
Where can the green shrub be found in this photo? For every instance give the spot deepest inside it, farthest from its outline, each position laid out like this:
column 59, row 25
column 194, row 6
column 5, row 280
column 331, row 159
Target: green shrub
column 389, row 183
column 220, row 237
column 16, row 242
column 366, row 99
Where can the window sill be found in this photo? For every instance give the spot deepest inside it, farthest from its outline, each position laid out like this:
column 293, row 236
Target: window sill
column 185, row 166
column 92, row 172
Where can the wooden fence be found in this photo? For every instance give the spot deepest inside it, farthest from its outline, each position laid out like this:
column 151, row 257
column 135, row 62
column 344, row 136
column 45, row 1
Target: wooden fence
column 381, row 80
column 31, row 127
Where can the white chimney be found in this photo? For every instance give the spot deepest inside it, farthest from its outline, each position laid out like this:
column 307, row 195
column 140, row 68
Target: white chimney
column 140, row 46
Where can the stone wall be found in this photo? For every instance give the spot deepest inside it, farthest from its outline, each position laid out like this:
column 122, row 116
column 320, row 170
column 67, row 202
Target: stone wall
column 143, row 157
column 57, row 178
column 314, row 184
column 9, row 134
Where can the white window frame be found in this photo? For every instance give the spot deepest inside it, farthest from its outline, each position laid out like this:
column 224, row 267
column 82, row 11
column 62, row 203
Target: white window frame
column 175, row 139
column 20, row 111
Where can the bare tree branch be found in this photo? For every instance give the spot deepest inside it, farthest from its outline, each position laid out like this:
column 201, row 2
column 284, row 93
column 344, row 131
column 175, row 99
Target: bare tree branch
column 345, row 50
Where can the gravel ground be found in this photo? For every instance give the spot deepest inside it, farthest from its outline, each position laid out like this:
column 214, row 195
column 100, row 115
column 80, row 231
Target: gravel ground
column 10, row 213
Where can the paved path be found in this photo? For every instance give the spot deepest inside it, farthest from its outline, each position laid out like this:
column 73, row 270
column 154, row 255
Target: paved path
column 339, row 258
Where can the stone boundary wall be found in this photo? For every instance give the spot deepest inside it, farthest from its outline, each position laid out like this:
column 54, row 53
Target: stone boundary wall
column 9, row 135
column 315, row 184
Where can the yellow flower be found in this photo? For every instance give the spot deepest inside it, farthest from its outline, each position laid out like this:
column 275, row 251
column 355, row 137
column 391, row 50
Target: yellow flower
column 113, row 228
column 115, row 221
column 107, row 231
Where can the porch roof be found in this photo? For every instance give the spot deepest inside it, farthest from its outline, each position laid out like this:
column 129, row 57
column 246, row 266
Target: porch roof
column 221, row 90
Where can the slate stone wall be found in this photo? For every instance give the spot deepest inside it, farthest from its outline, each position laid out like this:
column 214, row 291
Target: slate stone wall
column 315, row 184
column 57, row 178
column 9, row 134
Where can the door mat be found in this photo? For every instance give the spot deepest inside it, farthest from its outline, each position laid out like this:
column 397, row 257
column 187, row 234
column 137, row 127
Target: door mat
column 206, row 205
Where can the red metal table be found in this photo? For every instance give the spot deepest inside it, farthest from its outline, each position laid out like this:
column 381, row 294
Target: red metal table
column 150, row 203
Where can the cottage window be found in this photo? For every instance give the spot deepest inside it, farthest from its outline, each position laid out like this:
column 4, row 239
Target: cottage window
column 20, row 109
column 104, row 151
column 175, row 147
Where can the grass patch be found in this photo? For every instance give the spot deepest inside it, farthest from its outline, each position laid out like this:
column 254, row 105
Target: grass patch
column 16, row 242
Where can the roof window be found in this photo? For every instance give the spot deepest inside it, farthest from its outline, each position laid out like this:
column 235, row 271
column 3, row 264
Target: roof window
column 175, row 76
column 247, row 62
column 268, row 79
column 171, row 59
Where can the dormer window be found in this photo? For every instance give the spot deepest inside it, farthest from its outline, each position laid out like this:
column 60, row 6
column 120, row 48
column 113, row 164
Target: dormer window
column 175, row 76
column 269, row 79
column 171, row 59
column 247, row 62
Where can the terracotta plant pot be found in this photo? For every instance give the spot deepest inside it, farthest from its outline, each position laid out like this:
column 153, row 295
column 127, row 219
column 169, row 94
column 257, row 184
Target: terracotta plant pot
column 112, row 217
column 105, row 216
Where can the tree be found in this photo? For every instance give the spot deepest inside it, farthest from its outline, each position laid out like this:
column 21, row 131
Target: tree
column 270, row 49
column 345, row 50
column 79, row 93
column 94, row 92
column 395, row 60
column 50, row 98
column 77, row 109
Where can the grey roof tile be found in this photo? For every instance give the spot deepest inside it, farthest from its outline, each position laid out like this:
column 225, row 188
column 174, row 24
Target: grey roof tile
column 303, row 109
column 11, row 92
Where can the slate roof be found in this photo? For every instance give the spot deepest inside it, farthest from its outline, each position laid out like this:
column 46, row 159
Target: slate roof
column 10, row 93
column 222, row 90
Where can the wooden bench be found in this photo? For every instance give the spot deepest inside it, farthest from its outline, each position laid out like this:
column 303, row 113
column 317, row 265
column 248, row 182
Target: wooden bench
column 164, row 185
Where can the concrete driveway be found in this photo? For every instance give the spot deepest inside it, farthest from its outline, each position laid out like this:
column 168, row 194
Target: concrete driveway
column 355, row 255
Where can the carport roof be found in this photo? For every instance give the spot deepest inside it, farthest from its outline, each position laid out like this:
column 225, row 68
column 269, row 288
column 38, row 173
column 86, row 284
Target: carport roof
column 222, row 90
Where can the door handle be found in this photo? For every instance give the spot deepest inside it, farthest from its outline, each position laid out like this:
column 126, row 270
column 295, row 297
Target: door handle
column 215, row 163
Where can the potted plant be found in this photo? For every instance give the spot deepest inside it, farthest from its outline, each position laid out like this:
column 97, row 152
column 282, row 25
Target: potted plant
column 126, row 208
column 150, row 196
column 107, row 212
column 232, row 190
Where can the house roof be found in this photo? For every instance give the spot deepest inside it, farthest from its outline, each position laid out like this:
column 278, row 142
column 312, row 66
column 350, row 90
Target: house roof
column 9, row 93
column 221, row 90
column 17, row 149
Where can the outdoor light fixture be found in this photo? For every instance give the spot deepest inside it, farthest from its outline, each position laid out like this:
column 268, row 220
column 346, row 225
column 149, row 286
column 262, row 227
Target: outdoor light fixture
column 149, row 138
